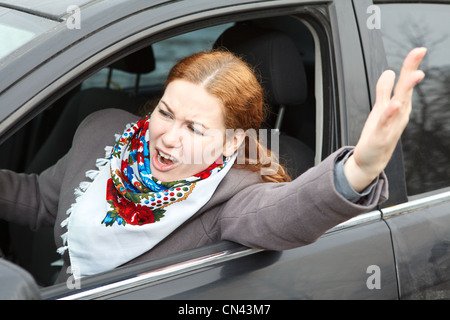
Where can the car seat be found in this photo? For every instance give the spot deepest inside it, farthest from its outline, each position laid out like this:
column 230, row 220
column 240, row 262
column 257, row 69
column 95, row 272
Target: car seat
column 276, row 59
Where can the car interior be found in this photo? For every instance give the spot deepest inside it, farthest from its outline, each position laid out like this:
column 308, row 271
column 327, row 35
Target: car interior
column 280, row 49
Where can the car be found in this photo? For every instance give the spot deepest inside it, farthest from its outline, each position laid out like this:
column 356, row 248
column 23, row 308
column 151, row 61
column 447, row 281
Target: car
column 60, row 62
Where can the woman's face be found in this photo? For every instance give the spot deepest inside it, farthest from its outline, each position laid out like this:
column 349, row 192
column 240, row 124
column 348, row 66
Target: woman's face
column 187, row 132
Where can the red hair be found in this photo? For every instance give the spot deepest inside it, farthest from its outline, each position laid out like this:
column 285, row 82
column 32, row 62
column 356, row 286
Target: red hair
column 234, row 83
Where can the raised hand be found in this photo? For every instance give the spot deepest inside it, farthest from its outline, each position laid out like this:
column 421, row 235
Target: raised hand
column 385, row 123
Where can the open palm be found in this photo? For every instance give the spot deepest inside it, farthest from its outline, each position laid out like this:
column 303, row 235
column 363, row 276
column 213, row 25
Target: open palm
column 386, row 122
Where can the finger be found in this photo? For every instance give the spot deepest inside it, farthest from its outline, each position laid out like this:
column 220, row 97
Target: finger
column 404, row 94
column 384, row 87
column 392, row 110
column 406, row 84
column 410, row 75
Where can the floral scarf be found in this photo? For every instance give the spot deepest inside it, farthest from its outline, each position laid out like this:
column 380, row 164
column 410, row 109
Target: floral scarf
column 134, row 195
column 137, row 211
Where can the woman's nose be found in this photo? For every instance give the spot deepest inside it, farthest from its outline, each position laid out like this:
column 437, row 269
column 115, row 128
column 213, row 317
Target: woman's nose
column 172, row 137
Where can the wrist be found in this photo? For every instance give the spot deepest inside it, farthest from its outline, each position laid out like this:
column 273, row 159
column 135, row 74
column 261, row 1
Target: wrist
column 358, row 178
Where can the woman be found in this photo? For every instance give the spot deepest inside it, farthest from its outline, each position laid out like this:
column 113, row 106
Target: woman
column 174, row 180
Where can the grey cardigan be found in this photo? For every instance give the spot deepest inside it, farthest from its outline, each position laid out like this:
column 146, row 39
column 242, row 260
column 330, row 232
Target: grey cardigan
column 275, row 216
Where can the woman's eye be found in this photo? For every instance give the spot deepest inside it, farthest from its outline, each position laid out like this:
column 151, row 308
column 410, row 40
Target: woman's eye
column 165, row 114
column 196, row 131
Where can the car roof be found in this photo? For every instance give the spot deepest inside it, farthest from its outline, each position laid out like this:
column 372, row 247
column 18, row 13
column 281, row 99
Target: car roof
column 49, row 9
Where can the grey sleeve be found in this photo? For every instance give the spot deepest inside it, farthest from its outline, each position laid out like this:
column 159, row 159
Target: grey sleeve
column 281, row 216
column 344, row 187
column 31, row 200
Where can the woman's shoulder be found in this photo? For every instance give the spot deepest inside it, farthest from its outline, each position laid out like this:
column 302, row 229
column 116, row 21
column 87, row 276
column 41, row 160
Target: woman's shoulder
column 108, row 117
column 238, row 179
column 105, row 122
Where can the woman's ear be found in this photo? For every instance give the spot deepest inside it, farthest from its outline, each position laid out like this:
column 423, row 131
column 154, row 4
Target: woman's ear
column 233, row 142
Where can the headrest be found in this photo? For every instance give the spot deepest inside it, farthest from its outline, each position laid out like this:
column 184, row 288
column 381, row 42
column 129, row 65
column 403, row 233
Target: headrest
column 274, row 55
column 139, row 62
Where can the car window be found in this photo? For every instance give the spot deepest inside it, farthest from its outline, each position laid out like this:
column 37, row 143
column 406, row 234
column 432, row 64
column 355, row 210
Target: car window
column 426, row 141
column 166, row 54
column 18, row 28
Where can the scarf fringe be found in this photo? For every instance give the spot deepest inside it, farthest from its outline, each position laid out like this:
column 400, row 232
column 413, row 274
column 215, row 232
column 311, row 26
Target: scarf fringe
column 101, row 162
column 92, row 174
column 80, row 190
column 61, row 250
column 64, row 223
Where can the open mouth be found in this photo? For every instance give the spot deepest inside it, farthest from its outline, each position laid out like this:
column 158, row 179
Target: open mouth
column 163, row 161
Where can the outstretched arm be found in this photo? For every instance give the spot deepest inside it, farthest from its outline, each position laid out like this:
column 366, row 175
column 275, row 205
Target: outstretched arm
column 385, row 124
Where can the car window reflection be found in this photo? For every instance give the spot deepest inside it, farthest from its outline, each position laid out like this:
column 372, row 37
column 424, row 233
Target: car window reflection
column 426, row 141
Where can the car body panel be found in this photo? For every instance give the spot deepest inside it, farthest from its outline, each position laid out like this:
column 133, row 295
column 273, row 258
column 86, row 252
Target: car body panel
column 337, row 266
column 422, row 247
